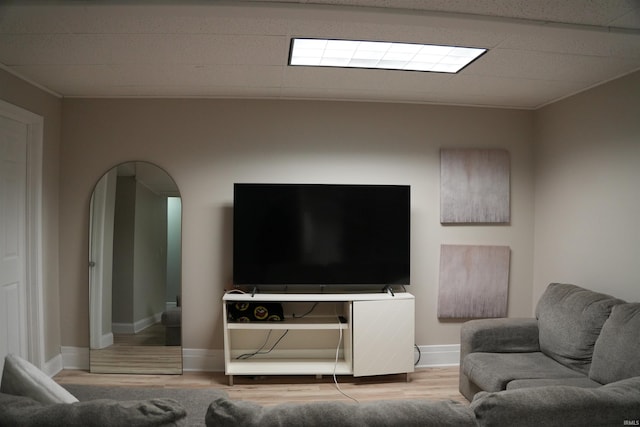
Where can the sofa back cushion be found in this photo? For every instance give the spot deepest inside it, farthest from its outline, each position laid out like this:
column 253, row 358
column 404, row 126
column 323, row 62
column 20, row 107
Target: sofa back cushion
column 569, row 320
column 616, row 355
column 224, row 412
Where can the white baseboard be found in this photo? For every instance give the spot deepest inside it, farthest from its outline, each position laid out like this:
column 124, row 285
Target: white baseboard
column 438, row 355
column 196, row 359
column 106, row 340
column 139, row 325
column 192, row 359
column 204, row 360
column 75, row 358
column 53, row 366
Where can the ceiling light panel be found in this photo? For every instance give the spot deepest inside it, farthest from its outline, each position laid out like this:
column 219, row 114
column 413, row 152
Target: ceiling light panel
column 382, row 55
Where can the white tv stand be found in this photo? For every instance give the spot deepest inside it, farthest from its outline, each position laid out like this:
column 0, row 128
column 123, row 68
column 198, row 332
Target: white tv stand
column 377, row 331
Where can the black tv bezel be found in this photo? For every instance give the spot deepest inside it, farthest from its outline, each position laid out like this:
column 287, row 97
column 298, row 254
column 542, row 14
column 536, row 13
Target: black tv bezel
column 360, row 284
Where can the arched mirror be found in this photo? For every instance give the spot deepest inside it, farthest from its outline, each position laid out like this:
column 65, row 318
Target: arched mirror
column 135, row 272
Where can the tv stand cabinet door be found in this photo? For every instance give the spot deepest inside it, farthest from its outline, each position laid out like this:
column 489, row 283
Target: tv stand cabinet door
column 383, row 337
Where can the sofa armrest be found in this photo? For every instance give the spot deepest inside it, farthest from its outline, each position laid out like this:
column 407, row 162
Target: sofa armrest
column 510, row 335
column 611, row 404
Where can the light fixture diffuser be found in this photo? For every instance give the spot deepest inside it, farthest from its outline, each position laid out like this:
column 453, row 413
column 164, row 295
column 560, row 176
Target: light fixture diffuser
column 381, row 55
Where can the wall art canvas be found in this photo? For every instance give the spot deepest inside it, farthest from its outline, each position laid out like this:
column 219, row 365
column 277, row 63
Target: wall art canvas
column 474, row 186
column 474, row 281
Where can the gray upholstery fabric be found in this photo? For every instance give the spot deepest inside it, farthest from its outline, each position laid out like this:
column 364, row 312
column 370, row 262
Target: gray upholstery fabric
column 493, row 371
column 20, row 411
column 194, row 400
column 583, row 382
column 609, row 405
column 512, row 335
column 495, row 335
column 617, row 351
column 21, row 378
column 569, row 320
column 402, row 413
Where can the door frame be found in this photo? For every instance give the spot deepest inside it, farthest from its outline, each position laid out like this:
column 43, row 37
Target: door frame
column 100, row 215
column 33, row 223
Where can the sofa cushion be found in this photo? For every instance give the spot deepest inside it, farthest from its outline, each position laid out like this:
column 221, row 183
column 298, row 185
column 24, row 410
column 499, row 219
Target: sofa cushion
column 609, row 405
column 583, row 382
column 569, row 320
column 493, row 371
column 617, row 351
column 21, row 411
column 228, row 413
column 21, row 378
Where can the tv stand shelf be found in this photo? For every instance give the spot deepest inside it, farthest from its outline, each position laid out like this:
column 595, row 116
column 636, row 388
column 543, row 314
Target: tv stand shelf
column 374, row 337
column 324, row 322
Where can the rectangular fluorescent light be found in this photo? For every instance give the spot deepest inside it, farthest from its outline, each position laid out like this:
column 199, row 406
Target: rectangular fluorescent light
column 381, row 55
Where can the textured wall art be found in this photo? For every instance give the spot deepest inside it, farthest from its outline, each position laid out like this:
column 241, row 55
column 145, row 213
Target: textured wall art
column 474, row 281
column 474, row 186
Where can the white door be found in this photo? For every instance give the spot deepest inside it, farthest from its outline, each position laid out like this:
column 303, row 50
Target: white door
column 13, row 254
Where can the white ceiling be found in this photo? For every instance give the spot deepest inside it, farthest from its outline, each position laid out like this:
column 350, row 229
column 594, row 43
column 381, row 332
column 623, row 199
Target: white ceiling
column 540, row 51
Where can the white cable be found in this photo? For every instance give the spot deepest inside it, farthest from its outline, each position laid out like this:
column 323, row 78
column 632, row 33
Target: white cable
column 335, row 365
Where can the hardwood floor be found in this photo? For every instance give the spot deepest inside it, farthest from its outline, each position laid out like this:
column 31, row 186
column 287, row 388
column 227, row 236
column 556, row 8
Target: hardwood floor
column 132, row 359
column 143, row 352
column 424, row 383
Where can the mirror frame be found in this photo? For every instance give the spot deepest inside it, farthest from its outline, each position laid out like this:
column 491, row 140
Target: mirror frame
column 149, row 179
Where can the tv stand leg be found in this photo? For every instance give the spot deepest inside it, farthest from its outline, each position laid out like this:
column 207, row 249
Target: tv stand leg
column 388, row 289
column 318, row 376
column 230, row 380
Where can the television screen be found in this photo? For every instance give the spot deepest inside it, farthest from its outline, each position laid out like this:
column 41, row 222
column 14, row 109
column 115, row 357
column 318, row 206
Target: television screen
column 321, row 234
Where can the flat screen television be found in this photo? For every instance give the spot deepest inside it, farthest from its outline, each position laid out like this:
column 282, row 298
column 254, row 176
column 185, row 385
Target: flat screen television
column 321, row 234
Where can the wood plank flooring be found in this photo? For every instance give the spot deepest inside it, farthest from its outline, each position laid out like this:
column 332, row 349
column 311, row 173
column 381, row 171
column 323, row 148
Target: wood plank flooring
column 424, row 383
column 140, row 353
column 131, row 359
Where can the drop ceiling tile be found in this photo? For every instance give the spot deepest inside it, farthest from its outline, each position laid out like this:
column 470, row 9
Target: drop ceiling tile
column 362, row 79
column 332, row 94
column 123, row 18
column 630, row 19
column 165, row 91
column 550, row 66
column 485, row 85
column 142, row 48
column 149, row 75
column 587, row 12
column 240, row 49
column 407, row 97
column 510, row 91
column 579, row 42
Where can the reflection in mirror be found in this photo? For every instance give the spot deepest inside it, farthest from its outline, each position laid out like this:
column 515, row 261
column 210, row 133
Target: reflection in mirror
column 135, row 272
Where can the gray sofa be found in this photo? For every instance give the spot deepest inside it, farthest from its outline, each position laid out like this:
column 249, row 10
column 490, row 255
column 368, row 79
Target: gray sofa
column 609, row 405
column 28, row 397
column 581, row 342
column 576, row 364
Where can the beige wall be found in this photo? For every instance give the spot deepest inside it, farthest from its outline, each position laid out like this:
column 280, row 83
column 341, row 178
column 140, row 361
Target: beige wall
column 207, row 145
column 586, row 176
column 24, row 95
column 587, row 197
